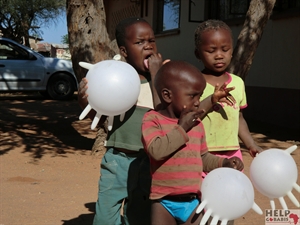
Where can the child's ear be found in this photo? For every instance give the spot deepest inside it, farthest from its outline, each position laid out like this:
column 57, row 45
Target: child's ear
column 196, row 52
column 123, row 51
column 166, row 95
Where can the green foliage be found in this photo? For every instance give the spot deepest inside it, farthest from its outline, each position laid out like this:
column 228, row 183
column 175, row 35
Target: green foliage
column 65, row 39
column 20, row 18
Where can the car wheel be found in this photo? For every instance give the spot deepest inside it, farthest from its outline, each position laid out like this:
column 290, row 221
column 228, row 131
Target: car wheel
column 61, row 87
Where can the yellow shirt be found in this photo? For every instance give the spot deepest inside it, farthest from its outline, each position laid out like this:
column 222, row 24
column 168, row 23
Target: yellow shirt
column 222, row 121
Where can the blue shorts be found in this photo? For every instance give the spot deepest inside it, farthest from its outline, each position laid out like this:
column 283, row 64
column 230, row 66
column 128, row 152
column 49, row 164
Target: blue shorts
column 181, row 211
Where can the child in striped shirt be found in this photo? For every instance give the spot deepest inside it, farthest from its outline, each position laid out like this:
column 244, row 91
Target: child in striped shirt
column 174, row 139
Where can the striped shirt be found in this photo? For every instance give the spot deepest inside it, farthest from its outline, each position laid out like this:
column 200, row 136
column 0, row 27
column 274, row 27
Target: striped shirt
column 175, row 156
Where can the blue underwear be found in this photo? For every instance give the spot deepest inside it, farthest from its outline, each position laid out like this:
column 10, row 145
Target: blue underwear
column 181, row 211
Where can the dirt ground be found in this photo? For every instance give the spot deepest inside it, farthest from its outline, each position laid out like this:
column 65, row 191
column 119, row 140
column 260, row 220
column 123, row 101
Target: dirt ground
column 48, row 175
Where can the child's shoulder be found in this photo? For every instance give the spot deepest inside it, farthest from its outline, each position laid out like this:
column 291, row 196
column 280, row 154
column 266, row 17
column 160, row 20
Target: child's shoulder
column 157, row 116
column 150, row 114
column 235, row 78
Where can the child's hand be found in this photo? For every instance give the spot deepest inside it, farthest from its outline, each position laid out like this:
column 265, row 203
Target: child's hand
column 234, row 162
column 253, row 150
column 82, row 88
column 155, row 61
column 189, row 118
column 221, row 94
column 82, row 95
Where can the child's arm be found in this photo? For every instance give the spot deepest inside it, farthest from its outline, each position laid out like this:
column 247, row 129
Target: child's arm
column 234, row 162
column 155, row 62
column 246, row 137
column 158, row 145
column 83, row 102
column 211, row 162
column 221, row 94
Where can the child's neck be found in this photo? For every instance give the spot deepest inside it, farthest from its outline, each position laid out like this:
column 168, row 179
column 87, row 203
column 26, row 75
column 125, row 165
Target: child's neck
column 145, row 77
column 208, row 72
column 214, row 78
column 166, row 111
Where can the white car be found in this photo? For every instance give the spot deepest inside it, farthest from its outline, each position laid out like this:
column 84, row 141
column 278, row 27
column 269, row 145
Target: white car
column 22, row 69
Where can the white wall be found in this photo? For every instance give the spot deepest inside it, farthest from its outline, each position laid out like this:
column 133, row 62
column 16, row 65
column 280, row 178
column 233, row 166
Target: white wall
column 180, row 46
column 276, row 62
column 272, row 84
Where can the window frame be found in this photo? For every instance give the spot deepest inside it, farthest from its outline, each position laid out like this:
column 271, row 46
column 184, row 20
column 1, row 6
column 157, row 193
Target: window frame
column 214, row 8
column 17, row 53
column 194, row 9
column 158, row 22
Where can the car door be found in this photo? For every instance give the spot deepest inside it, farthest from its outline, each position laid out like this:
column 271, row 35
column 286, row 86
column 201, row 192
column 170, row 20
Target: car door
column 19, row 69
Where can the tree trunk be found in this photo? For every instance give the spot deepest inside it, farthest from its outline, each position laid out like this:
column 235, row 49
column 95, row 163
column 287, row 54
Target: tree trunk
column 256, row 19
column 88, row 37
column 89, row 42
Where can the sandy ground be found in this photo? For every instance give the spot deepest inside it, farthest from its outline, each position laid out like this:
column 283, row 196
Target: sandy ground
column 48, row 175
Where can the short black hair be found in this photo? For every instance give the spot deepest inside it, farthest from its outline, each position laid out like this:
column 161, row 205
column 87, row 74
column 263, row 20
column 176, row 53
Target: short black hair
column 209, row 25
column 174, row 69
column 121, row 28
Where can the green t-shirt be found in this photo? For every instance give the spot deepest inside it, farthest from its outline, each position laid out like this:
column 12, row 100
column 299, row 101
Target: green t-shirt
column 222, row 121
column 127, row 134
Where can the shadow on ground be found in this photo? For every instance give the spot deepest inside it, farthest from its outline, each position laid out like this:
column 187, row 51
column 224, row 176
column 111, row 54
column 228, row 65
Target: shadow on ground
column 265, row 134
column 83, row 219
column 42, row 126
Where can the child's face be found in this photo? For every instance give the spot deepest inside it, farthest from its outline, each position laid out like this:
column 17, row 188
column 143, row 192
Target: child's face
column 187, row 93
column 139, row 45
column 215, row 50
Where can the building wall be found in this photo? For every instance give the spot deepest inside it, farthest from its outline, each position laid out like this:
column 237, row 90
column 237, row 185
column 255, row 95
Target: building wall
column 117, row 10
column 272, row 84
column 276, row 59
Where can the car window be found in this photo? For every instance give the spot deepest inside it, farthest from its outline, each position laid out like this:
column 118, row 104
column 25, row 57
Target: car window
column 11, row 51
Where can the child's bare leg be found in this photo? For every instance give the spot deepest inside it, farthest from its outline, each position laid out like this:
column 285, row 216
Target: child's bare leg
column 194, row 219
column 160, row 216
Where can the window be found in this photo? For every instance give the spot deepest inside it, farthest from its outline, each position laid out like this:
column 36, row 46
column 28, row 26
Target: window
column 9, row 51
column 232, row 9
column 197, row 10
column 168, row 16
column 227, row 9
column 282, row 5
